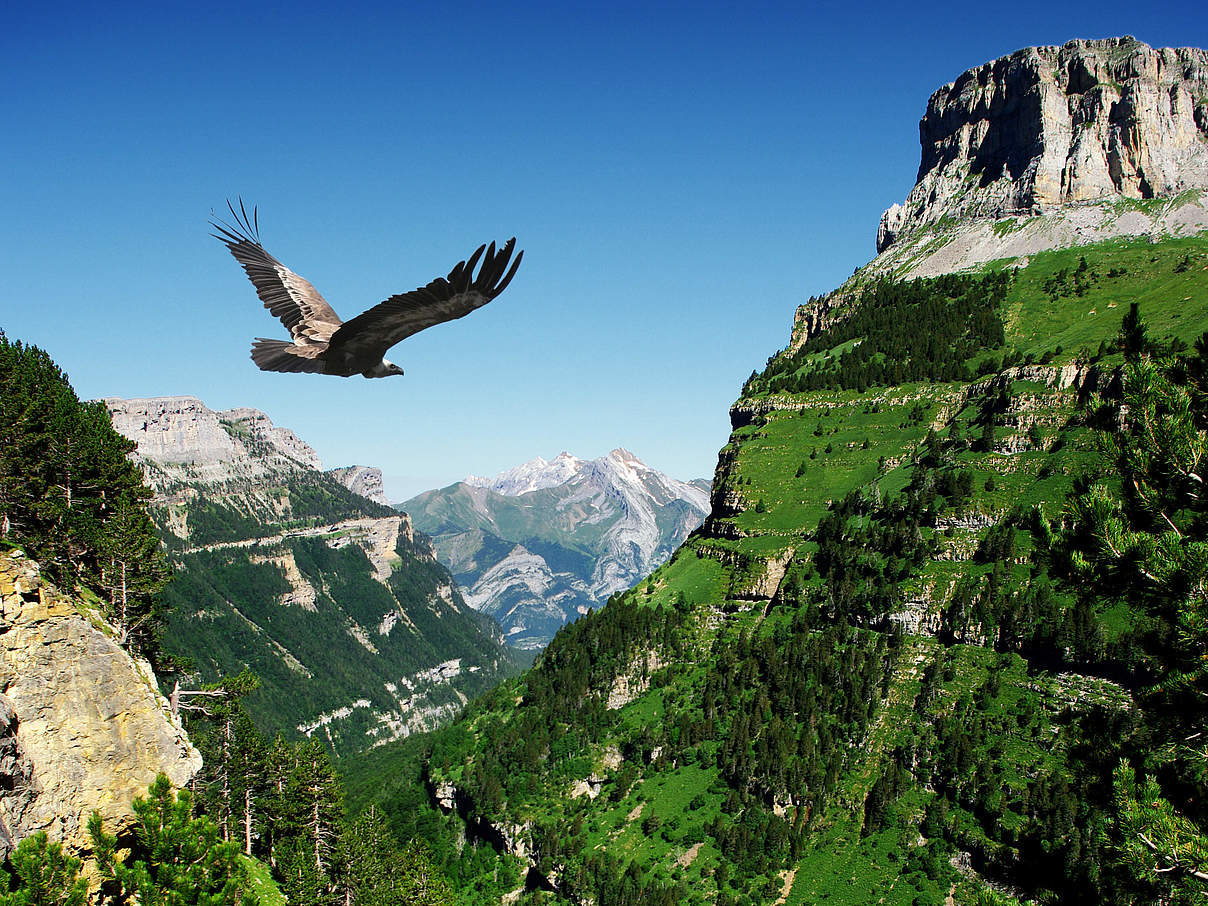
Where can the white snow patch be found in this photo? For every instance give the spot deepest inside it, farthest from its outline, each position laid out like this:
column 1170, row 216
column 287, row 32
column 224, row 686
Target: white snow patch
column 530, row 476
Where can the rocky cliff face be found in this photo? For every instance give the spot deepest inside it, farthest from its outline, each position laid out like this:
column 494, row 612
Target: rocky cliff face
column 363, row 480
column 1048, row 148
column 82, row 724
column 235, row 462
column 539, row 544
column 189, row 441
column 1051, row 126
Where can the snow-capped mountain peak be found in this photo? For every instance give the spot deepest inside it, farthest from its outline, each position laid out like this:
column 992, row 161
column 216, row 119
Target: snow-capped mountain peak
column 535, row 562
column 531, row 476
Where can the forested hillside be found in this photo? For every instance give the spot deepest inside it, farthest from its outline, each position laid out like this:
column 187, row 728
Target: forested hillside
column 341, row 651
column 938, row 636
column 72, row 500
column 357, row 634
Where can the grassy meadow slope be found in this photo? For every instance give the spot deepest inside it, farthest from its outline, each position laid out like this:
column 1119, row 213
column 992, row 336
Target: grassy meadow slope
column 858, row 682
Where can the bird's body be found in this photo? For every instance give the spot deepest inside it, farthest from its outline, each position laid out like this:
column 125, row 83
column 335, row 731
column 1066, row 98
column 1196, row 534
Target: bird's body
column 323, row 344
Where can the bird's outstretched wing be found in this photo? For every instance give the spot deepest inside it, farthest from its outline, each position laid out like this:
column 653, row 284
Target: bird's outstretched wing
column 305, row 313
column 281, row 355
column 369, row 335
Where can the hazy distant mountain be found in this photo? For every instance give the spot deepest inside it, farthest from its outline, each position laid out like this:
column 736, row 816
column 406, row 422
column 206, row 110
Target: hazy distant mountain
column 541, row 543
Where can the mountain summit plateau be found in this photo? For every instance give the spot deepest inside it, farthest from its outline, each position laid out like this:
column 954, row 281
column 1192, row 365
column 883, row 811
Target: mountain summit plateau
column 1052, row 126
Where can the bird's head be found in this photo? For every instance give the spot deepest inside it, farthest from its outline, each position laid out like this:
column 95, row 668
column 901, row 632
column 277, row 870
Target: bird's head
column 384, row 368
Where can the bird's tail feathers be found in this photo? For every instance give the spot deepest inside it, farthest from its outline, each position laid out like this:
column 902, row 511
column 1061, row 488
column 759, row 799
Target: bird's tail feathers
column 279, row 355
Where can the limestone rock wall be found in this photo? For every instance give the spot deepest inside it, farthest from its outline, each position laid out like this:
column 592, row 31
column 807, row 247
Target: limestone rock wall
column 261, row 427
column 191, row 453
column 363, row 480
column 1051, row 126
column 184, row 440
column 82, row 725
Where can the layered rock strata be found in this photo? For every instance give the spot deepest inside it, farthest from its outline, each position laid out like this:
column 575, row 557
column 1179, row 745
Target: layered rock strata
column 541, row 543
column 1052, row 126
column 189, row 441
column 236, row 458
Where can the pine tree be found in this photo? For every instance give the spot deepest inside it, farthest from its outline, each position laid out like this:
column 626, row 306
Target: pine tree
column 316, row 790
column 1133, row 340
column 249, row 782
column 45, row 876
column 132, row 571
column 372, row 861
column 303, row 806
column 232, row 779
column 421, row 884
column 186, row 863
column 1144, row 541
column 299, row 880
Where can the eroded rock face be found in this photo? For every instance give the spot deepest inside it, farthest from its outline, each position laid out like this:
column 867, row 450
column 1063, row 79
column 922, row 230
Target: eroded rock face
column 82, row 726
column 191, row 454
column 187, row 441
column 1051, row 126
column 16, row 777
column 363, row 480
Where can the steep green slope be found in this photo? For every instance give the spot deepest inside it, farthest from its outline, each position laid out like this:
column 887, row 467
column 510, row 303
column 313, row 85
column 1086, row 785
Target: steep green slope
column 361, row 662
column 864, row 680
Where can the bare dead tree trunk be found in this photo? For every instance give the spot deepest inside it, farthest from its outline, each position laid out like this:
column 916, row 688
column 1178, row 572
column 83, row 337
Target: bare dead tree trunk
column 279, row 782
column 125, row 599
column 318, row 851
column 226, row 778
column 247, row 821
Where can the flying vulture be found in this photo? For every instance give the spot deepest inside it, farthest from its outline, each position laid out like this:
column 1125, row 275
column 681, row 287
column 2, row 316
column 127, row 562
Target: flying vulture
column 321, row 342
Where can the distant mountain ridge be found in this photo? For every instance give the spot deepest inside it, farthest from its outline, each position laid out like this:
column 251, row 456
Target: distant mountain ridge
column 331, row 597
column 540, row 543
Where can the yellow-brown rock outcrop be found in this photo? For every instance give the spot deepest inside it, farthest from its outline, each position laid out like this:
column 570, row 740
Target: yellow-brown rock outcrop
column 82, row 724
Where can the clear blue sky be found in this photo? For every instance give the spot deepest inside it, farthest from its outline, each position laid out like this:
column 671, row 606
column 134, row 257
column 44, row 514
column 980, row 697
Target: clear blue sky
column 680, row 176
